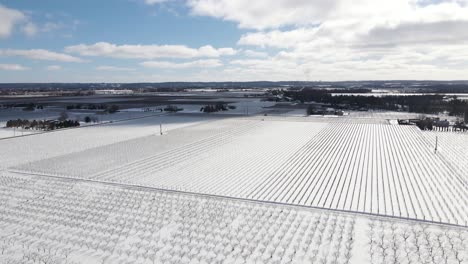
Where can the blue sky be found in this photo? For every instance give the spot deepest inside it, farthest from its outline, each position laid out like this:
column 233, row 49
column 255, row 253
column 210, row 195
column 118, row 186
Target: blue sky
column 231, row 40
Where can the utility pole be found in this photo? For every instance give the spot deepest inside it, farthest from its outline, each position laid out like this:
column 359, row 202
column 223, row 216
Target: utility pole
column 160, row 129
column 437, row 139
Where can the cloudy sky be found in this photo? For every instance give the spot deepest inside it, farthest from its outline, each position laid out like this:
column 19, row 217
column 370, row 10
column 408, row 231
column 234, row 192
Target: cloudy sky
column 232, row 40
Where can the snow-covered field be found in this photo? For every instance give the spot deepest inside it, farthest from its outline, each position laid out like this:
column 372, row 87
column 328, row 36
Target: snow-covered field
column 53, row 144
column 61, row 220
column 48, row 220
column 10, row 132
column 379, row 169
column 369, row 168
column 259, row 189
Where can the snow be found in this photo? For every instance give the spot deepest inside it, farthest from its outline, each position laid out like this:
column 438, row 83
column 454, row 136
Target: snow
column 53, row 144
column 370, row 168
column 10, row 132
column 112, row 225
column 282, row 188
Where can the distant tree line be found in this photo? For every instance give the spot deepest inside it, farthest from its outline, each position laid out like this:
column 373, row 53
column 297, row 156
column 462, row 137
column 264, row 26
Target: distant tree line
column 107, row 108
column 41, row 124
column 428, row 104
column 24, row 106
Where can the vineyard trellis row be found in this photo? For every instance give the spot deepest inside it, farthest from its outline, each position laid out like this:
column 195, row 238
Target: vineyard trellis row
column 371, row 168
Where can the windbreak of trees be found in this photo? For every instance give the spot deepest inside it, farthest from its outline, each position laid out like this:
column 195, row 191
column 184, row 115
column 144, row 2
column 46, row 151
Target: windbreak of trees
column 107, row 108
column 24, row 106
column 41, row 124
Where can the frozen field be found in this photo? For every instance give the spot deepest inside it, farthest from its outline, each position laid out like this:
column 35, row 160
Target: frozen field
column 48, row 220
column 45, row 145
column 258, row 189
column 375, row 169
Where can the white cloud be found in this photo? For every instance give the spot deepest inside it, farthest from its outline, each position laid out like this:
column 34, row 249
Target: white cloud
column 341, row 22
column 361, row 39
column 261, row 14
column 11, row 18
column 279, row 39
column 105, row 49
column 30, row 29
column 253, row 53
column 40, row 54
column 12, row 67
column 54, row 68
column 113, row 68
column 51, row 26
column 153, row 2
column 265, row 14
column 211, row 63
column 8, row 19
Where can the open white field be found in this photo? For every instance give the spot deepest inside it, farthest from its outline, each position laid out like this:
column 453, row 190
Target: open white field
column 375, row 169
column 19, row 150
column 179, row 143
column 10, row 132
column 46, row 220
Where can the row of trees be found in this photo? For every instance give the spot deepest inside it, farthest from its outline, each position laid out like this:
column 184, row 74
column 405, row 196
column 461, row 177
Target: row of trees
column 416, row 243
column 41, row 124
column 107, row 108
column 429, row 123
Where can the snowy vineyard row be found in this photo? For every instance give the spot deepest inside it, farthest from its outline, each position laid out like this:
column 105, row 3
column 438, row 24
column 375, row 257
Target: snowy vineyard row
column 61, row 221
column 452, row 147
column 378, row 169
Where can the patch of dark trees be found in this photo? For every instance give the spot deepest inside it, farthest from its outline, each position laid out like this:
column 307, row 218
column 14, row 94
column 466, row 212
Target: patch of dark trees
column 435, row 124
column 24, row 106
column 32, row 107
column 220, row 106
column 172, row 109
column 314, row 110
column 45, row 125
column 428, row 104
column 106, row 108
